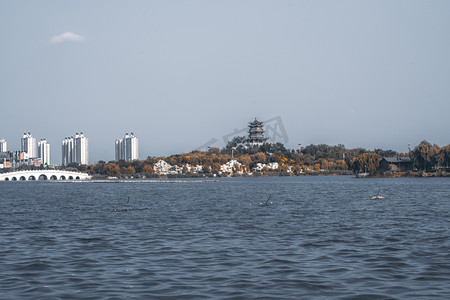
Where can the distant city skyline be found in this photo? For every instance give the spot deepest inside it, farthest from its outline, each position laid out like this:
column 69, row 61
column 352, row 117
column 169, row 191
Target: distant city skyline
column 75, row 148
column 183, row 74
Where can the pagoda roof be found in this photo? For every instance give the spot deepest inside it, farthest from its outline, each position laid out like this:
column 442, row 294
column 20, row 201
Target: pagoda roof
column 255, row 123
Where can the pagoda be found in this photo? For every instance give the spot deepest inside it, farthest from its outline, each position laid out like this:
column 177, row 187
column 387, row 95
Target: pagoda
column 255, row 134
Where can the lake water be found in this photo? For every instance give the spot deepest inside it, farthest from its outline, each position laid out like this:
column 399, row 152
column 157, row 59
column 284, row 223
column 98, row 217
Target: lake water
column 317, row 238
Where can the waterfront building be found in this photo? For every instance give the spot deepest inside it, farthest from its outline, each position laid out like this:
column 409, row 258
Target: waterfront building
column 14, row 159
column 4, row 160
column 37, row 162
column 28, row 145
column 2, row 145
column 162, row 167
column 233, row 166
column 127, row 148
column 75, row 150
column 255, row 134
column 44, row 152
column 396, row 164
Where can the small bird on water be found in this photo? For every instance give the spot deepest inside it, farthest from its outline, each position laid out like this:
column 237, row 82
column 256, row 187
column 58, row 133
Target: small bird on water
column 128, row 208
column 266, row 201
column 128, row 202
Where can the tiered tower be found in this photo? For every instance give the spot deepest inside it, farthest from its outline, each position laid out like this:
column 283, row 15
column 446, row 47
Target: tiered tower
column 256, row 134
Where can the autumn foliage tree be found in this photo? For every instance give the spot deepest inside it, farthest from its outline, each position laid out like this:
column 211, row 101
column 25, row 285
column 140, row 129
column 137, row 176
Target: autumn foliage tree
column 369, row 162
column 443, row 156
column 111, row 169
column 258, row 158
column 424, row 156
column 313, row 158
column 128, row 170
column 147, row 170
column 341, row 165
column 245, row 160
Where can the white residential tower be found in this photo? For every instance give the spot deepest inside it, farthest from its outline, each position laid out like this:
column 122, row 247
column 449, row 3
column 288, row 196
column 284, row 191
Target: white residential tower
column 75, row 150
column 28, row 145
column 44, row 152
column 2, row 145
column 127, row 148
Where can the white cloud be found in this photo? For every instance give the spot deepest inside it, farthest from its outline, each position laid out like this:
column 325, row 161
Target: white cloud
column 66, row 37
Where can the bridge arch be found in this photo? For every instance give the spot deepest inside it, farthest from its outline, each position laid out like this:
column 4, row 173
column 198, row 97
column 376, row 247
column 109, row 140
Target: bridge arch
column 22, row 178
column 43, row 177
column 53, row 177
column 31, row 177
column 6, row 178
column 14, row 178
column 77, row 178
column 70, row 177
column 62, row 177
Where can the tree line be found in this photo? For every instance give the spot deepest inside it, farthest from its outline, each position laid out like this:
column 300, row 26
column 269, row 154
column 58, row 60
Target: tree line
column 311, row 159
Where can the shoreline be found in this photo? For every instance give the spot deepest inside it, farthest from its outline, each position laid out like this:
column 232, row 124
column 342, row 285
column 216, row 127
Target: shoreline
column 410, row 174
column 173, row 178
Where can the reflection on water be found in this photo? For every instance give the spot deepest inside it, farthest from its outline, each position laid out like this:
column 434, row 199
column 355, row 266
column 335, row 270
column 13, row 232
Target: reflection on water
column 317, row 237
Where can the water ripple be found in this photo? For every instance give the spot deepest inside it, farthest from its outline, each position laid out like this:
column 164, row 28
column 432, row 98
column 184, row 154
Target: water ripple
column 320, row 238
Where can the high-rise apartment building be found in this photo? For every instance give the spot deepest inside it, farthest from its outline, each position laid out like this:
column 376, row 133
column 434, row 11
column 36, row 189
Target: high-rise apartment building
column 75, row 150
column 67, row 149
column 81, row 149
column 2, row 145
column 44, row 151
column 28, row 145
column 127, row 148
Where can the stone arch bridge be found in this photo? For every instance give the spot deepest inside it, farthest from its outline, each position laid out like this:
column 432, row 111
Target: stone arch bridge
column 43, row 175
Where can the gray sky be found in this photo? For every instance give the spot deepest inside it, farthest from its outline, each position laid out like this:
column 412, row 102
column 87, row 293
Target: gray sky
column 373, row 74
